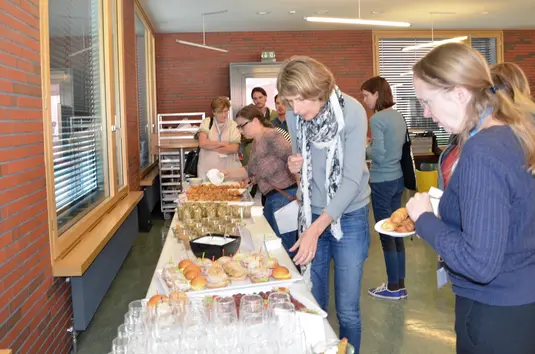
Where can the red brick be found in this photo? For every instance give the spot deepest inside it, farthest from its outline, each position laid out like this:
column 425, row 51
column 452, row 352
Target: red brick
column 22, row 189
column 20, row 14
column 6, row 86
column 20, row 139
column 15, row 166
column 8, row 60
column 12, row 222
column 17, row 205
column 26, row 114
column 29, row 90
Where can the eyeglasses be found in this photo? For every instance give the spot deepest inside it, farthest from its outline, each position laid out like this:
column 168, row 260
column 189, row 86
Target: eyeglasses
column 426, row 104
column 222, row 112
column 241, row 126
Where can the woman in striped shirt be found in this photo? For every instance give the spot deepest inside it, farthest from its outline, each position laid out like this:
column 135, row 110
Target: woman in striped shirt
column 267, row 166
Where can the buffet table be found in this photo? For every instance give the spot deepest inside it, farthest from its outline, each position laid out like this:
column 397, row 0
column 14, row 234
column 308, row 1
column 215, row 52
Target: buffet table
column 318, row 328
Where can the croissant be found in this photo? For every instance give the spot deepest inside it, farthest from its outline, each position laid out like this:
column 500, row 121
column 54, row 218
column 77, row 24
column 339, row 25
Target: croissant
column 406, row 225
column 388, row 225
column 399, row 215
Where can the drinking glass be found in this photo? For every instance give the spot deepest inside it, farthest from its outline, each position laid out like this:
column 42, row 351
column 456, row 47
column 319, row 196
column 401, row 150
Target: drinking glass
column 136, row 307
column 252, row 302
column 119, row 346
column 225, row 322
column 277, row 297
column 125, row 331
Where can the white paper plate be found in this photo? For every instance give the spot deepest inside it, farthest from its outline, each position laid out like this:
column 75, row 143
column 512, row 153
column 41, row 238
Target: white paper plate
column 391, row 233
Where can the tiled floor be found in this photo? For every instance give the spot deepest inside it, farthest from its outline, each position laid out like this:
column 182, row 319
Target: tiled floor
column 421, row 324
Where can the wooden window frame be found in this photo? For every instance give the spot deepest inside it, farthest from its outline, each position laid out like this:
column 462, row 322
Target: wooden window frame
column 150, row 78
column 377, row 35
column 60, row 246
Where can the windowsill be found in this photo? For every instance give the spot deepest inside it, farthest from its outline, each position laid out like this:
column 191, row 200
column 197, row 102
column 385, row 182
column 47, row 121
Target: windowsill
column 150, row 177
column 78, row 259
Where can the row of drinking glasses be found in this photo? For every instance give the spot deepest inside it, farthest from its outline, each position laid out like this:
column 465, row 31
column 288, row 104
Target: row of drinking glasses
column 171, row 328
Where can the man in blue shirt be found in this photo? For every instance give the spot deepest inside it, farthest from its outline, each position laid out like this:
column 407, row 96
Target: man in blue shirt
column 280, row 120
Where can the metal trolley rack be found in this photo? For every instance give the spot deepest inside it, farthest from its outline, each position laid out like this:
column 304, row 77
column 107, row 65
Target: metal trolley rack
column 176, row 133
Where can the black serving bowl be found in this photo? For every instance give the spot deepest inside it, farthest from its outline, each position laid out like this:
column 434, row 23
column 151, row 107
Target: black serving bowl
column 215, row 251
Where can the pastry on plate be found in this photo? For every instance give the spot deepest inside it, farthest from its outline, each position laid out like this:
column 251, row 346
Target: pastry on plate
column 406, row 225
column 399, row 215
column 388, row 225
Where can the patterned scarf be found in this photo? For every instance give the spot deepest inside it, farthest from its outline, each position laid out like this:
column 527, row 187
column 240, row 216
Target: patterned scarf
column 324, row 132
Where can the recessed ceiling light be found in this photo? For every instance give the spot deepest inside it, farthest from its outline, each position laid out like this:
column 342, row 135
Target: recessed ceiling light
column 292, row 12
column 485, row 13
column 321, row 12
column 377, row 12
column 262, row 13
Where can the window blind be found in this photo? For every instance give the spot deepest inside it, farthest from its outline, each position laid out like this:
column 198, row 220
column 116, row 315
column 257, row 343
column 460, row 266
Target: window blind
column 142, row 93
column 78, row 147
column 395, row 66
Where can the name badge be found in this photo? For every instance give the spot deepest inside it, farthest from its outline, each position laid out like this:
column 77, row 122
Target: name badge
column 442, row 275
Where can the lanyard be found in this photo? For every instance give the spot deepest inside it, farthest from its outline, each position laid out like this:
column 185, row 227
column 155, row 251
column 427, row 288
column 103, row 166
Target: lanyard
column 481, row 121
column 474, row 132
column 219, row 130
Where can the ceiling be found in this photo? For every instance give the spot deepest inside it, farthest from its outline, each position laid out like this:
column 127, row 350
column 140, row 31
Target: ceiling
column 185, row 15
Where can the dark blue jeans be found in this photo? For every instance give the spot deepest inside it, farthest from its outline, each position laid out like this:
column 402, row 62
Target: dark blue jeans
column 273, row 203
column 487, row 329
column 386, row 198
column 349, row 254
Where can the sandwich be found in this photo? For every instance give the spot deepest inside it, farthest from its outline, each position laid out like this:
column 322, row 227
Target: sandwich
column 198, row 283
column 183, row 264
column 157, row 300
column 235, row 271
column 260, row 275
column 281, row 273
column 271, row 263
column 217, row 278
column 222, row 260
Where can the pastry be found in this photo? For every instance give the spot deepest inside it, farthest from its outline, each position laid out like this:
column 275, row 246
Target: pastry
column 399, row 215
column 406, row 225
column 388, row 225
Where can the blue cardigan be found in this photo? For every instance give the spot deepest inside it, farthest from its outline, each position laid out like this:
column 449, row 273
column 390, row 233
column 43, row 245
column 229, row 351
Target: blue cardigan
column 486, row 230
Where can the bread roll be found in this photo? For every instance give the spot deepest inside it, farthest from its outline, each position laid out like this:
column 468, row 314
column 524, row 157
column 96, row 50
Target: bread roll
column 399, row 215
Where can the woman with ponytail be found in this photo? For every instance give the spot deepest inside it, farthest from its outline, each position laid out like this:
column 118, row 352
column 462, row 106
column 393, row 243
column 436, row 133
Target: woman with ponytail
column 487, row 212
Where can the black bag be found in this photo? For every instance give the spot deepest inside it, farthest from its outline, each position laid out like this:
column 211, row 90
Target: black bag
column 192, row 158
column 407, row 165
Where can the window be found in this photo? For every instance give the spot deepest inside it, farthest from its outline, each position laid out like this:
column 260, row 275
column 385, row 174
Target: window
column 395, row 66
column 146, row 87
column 81, row 110
column 117, row 60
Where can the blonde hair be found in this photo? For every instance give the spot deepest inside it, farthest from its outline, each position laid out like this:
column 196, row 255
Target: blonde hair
column 458, row 65
column 511, row 78
column 220, row 103
column 305, row 77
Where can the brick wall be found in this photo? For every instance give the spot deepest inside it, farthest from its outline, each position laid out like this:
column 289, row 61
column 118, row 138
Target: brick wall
column 188, row 78
column 35, row 308
column 519, row 47
column 132, row 124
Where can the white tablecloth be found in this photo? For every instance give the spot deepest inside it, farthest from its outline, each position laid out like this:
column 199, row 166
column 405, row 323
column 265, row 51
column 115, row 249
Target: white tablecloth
column 260, row 227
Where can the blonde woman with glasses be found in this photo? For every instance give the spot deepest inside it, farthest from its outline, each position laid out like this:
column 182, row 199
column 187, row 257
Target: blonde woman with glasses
column 328, row 130
column 487, row 212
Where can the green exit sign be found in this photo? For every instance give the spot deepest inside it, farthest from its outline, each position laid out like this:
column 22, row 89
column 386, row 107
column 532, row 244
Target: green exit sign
column 268, row 56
